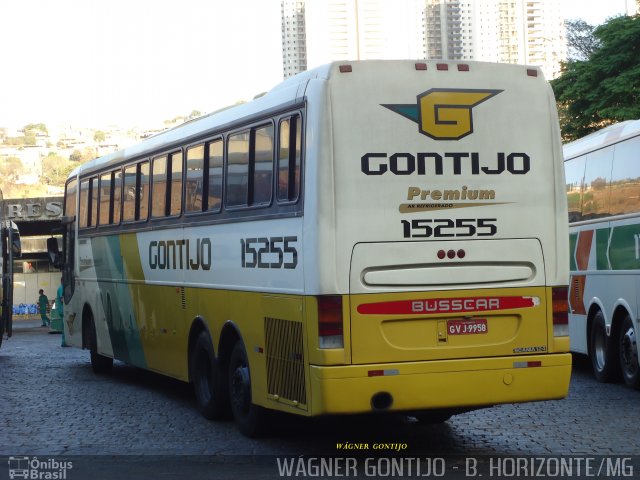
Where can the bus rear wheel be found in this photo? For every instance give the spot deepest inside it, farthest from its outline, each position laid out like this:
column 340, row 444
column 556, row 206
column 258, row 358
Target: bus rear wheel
column 603, row 358
column 251, row 419
column 99, row 363
column 208, row 384
column 628, row 348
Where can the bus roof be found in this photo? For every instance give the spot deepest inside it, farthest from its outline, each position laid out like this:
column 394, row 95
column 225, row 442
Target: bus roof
column 602, row 138
column 284, row 93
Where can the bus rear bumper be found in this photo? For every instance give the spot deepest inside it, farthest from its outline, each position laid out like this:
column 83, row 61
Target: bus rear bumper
column 414, row 386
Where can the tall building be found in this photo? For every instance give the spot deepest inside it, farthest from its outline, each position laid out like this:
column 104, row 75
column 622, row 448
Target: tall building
column 509, row 31
column 294, row 41
column 350, row 30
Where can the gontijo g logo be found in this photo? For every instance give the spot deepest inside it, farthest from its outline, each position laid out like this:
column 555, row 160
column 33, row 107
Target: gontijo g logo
column 444, row 113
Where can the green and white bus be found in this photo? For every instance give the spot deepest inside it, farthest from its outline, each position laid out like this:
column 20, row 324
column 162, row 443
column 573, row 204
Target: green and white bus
column 603, row 192
column 383, row 236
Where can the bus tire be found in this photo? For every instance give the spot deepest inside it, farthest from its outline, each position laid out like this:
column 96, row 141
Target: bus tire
column 628, row 353
column 99, row 363
column 251, row 419
column 208, row 383
column 601, row 351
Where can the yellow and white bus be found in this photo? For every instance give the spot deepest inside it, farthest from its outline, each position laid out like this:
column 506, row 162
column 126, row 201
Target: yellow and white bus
column 603, row 193
column 383, row 236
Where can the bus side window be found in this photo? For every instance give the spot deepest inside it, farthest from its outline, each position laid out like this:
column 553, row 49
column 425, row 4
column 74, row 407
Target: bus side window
column 289, row 150
column 92, row 221
column 625, row 178
column 214, row 176
column 83, row 212
column 597, row 178
column 263, row 165
column 142, row 189
column 574, row 172
column 117, row 196
column 159, row 187
column 104, row 215
column 129, row 196
column 194, row 188
column 175, row 187
column 237, row 187
column 70, row 198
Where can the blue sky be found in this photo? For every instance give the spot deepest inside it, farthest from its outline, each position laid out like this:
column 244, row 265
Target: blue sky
column 137, row 62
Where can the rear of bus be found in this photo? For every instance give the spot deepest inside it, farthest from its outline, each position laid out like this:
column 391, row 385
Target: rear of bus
column 439, row 223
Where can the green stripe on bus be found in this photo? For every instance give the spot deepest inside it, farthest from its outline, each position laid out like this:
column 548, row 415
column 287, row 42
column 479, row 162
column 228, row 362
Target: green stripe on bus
column 602, row 242
column 573, row 240
column 622, row 251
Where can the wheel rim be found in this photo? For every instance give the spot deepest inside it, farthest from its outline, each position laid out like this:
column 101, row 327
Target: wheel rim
column 599, row 348
column 241, row 388
column 629, row 351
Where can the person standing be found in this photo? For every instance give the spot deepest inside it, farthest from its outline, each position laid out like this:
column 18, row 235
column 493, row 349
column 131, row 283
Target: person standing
column 60, row 308
column 43, row 304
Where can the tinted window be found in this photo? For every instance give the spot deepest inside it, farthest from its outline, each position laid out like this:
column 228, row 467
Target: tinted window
column 117, row 195
column 93, row 216
column 84, row 203
column 70, row 198
column 289, row 159
column 595, row 196
column 263, row 166
column 143, row 194
column 625, row 178
column 105, row 199
column 574, row 174
column 194, row 184
column 159, row 186
column 176, row 184
column 215, row 175
column 237, row 169
column 129, row 194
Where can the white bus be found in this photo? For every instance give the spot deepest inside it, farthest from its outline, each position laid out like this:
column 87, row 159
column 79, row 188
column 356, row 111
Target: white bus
column 603, row 193
column 381, row 236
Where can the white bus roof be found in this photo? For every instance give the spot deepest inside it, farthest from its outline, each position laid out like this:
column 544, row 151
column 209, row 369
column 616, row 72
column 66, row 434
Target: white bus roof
column 602, row 138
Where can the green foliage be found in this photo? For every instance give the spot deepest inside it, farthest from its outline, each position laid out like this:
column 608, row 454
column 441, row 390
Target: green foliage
column 32, row 127
column 11, row 168
column 99, row 136
column 605, row 88
column 76, row 156
column 581, row 41
column 56, row 169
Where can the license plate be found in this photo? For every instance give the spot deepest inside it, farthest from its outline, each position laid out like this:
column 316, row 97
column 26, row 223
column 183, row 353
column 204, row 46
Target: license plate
column 468, row 326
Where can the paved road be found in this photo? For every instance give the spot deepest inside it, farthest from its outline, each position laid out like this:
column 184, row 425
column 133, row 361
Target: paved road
column 54, row 405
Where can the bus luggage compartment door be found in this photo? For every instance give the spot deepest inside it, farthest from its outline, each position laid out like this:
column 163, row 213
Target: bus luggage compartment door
column 416, row 301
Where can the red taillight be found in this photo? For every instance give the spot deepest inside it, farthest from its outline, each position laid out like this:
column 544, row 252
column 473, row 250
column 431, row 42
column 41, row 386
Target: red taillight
column 560, row 308
column 330, row 325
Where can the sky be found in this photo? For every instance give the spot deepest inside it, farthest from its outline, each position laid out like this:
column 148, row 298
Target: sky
column 130, row 63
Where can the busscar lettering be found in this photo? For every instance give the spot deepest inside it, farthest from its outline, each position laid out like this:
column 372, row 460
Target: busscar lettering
column 180, row 254
column 432, row 163
column 455, row 305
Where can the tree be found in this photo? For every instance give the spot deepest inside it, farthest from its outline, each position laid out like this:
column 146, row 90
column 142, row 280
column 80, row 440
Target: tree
column 11, row 168
column 581, row 41
column 31, row 127
column 55, row 169
column 605, row 88
column 99, row 136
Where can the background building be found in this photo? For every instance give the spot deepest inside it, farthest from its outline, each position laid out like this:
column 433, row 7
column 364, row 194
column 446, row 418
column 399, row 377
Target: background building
column 528, row 32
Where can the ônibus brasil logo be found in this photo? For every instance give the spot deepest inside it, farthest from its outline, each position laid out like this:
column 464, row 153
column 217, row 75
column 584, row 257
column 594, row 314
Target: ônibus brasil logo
column 444, row 113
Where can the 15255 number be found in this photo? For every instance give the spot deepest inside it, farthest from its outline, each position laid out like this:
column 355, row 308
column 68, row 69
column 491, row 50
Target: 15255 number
column 448, row 228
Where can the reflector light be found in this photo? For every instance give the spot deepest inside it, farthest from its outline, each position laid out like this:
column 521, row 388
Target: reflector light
column 330, row 327
column 382, row 373
column 421, row 66
column 463, row 67
column 441, row 254
column 442, row 66
column 451, row 254
column 560, row 305
column 527, row 364
column 345, row 68
column 532, row 72
column 461, row 253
